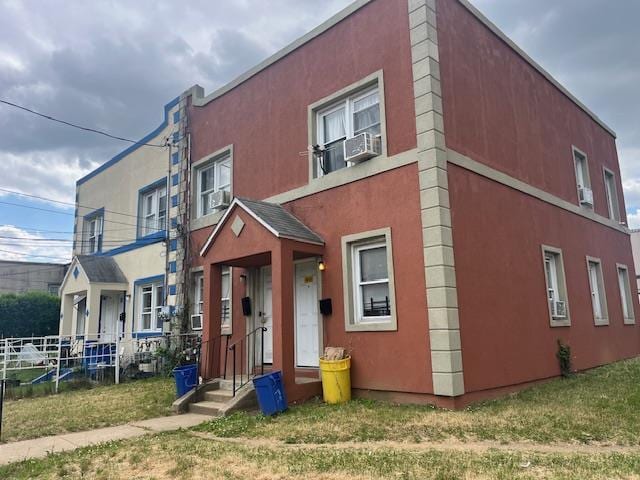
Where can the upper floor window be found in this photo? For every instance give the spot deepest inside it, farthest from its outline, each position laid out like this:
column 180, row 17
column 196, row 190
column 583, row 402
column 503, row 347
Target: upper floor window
column 612, row 194
column 211, row 178
column 625, row 294
column 92, row 234
column 346, row 118
column 583, row 180
column 556, row 286
column 154, row 210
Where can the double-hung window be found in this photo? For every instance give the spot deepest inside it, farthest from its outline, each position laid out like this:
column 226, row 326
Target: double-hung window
column 92, row 242
column 369, row 283
column 556, row 286
column 348, row 117
column 612, row 195
column 198, row 299
column 211, row 178
column 625, row 294
column 596, row 286
column 151, row 303
column 154, row 211
column 583, row 180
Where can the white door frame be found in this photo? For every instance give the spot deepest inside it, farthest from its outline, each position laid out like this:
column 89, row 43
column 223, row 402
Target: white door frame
column 260, row 304
column 313, row 260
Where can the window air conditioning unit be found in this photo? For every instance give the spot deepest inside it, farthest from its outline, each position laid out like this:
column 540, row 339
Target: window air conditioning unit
column 558, row 309
column 586, row 196
column 219, row 199
column 361, row 147
column 196, row 322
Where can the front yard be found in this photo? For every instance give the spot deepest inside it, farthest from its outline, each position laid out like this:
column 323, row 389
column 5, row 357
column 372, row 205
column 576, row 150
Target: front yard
column 77, row 410
column 587, row 427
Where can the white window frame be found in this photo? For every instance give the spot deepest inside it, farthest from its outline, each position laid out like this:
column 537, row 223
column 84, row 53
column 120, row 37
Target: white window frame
column 352, row 245
column 611, row 192
column 597, row 291
column 347, row 104
column 93, row 231
column 214, row 165
column 583, row 178
column 198, row 297
column 157, row 225
column 626, row 298
column 157, row 294
column 555, row 286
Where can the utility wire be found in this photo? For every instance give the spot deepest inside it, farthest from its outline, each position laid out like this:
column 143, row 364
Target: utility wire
column 80, row 127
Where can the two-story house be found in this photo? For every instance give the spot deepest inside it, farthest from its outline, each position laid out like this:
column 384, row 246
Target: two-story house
column 123, row 270
column 407, row 183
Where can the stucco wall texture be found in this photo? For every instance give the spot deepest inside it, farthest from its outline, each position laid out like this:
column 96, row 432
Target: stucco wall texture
column 501, row 112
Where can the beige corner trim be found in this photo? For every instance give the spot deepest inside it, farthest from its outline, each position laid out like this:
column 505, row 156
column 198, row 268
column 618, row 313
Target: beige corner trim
column 492, row 174
column 439, row 265
column 500, row 34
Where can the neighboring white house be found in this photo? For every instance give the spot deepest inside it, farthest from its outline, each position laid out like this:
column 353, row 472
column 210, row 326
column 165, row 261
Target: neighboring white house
column 125, row 248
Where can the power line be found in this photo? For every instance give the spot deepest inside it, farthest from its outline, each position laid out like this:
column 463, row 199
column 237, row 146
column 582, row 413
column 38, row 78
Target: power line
column 80, row 127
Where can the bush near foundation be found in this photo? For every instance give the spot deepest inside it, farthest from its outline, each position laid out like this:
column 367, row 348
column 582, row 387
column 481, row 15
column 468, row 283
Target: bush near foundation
column 29, row 314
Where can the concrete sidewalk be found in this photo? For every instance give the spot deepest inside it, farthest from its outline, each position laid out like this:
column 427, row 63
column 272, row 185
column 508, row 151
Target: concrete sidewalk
column 40, row 447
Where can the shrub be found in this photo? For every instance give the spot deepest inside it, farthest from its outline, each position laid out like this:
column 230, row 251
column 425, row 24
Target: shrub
column 29, row 314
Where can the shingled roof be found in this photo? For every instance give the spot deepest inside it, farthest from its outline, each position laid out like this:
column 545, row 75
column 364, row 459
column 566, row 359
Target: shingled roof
column 101, row 269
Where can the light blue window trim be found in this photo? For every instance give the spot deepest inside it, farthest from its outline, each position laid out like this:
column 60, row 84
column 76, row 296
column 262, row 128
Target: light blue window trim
column 146, row 189
column 174, row 222
column 175, row 179
column 176, row 137
column 172, row 289
column 87, row 218
column 174, row 200
column 176, row 116
column 172, row 267
column 173, row 245
column 147, row 139
column 175, row 158
column 135, row 320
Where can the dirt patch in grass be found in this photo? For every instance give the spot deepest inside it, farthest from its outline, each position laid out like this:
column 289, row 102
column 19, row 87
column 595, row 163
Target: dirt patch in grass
column 87, row 409
column 184, row 456
column 599, row 406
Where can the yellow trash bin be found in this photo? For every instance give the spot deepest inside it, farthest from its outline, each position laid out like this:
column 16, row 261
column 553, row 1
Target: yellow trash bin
column 336, row 380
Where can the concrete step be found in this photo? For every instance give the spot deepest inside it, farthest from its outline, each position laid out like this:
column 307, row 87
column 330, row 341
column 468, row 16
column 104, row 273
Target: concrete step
column 227, row 384
column 210, row 408
column 221, row 396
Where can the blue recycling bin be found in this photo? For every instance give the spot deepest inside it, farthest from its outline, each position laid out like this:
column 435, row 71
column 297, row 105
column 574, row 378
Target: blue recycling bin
column 186, row 378
column 270, row 392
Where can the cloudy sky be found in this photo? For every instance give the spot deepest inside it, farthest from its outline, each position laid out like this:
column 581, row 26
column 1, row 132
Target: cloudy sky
column 112, row 65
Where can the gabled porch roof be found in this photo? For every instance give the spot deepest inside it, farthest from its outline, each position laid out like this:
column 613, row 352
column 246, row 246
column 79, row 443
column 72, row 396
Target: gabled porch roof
column 271, row 216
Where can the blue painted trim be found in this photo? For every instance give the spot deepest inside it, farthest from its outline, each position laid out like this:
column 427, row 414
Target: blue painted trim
column 146, row 189
column 172, row 289
column 172, row 267
column 175, row 158
column 174, row 200
column 175, row 179
column 135, row 146
column 176, row 116
column 174, row 222
column 96, row 213
column 141, row 242
column 156, row 333
column 99, row 212
column 173, row 245
column 176, row 137
column 136, row 284
column 145, row 280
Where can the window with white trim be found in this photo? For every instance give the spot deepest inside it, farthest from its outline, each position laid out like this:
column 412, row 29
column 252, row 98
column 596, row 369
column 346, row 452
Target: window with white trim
column 369, row 284
column 556, row 286
column 625, row 294
column 198, row 297
column 153, row 211
column 150, row 306
column 596, row 286
column 583, row 180
column 211, row 178
column 346, row 118
column 92, row 235
column 612, row 195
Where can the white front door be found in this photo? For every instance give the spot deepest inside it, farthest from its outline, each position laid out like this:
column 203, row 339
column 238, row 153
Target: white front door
column 109, row 317
column 306, row 315
column 265, row 313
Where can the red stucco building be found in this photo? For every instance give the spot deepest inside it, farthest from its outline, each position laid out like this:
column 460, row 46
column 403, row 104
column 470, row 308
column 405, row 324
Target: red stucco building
column 473, row 218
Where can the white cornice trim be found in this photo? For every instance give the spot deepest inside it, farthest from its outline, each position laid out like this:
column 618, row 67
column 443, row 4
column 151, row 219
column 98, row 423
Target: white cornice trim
column 500, row 34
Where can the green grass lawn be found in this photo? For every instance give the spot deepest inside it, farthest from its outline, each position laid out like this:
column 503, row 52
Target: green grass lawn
column 181, row 455
column 87, row 409
column 601, row 405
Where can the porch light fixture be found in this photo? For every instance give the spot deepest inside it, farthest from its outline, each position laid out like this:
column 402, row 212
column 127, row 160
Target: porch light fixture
column 321, row 266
